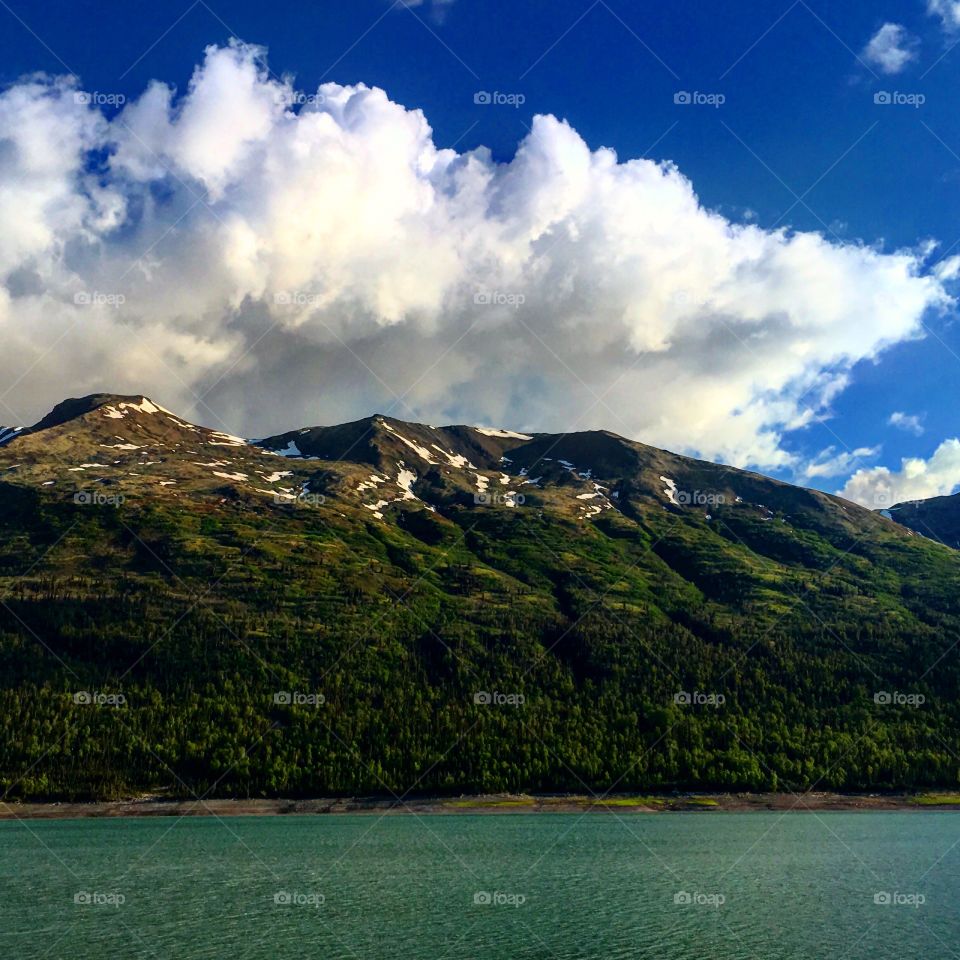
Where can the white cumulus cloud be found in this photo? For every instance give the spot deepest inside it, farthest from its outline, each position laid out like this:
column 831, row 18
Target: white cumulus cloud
column 916, row 479
column 832, row 463
column 948, row 11
column 257, row 258
column 891, row 48
column 911, row 423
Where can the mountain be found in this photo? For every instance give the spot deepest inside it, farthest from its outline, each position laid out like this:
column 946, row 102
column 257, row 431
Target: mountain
column 937, row 518
column 383, row 606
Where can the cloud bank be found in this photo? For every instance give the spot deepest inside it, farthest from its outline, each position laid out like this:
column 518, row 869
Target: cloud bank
column 258, row 257
column 917, row 479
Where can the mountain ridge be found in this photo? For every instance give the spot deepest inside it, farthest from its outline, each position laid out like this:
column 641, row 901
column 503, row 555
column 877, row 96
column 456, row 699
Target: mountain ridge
column 379, row 440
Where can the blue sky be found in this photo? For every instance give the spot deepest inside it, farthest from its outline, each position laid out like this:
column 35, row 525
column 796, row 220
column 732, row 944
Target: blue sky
column 797, row 142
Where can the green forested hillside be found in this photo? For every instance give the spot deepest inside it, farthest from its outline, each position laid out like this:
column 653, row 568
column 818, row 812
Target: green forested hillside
column 441, row 640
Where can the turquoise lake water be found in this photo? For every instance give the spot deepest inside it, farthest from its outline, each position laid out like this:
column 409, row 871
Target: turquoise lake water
column 674, row 886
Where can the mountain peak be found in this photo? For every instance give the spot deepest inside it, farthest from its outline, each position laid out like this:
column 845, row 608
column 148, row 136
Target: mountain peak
column 116, row 406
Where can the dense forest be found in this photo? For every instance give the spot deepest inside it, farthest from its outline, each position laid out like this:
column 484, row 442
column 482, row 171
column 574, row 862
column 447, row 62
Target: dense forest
column 229, row 650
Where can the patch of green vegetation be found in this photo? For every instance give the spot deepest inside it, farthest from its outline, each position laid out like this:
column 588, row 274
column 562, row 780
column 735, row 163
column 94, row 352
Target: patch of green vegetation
column 629, row 802
column 937, row 799
column 481, row 802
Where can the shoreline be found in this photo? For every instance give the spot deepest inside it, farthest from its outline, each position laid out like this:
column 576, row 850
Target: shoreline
column 496, row 804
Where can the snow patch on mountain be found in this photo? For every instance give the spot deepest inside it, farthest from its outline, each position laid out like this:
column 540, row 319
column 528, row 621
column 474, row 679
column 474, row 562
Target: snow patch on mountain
column 290, row 450
column 274, row 477
column 377, row 508
column 145, row 406
column 276, row 494
column 671, row 490
column 455, row 459
column 116, row 411
column 183, row 424
column 372, row 483
column 593, row 509
column 226, row 440
column 421, row 452
column 405, row 481
column 505, row 434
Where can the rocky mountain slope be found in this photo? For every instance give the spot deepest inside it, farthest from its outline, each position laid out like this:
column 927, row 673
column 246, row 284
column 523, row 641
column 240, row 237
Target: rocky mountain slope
column 130, row 446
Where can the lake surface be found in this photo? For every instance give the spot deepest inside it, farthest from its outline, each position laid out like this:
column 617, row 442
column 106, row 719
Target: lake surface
column 674, row 886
